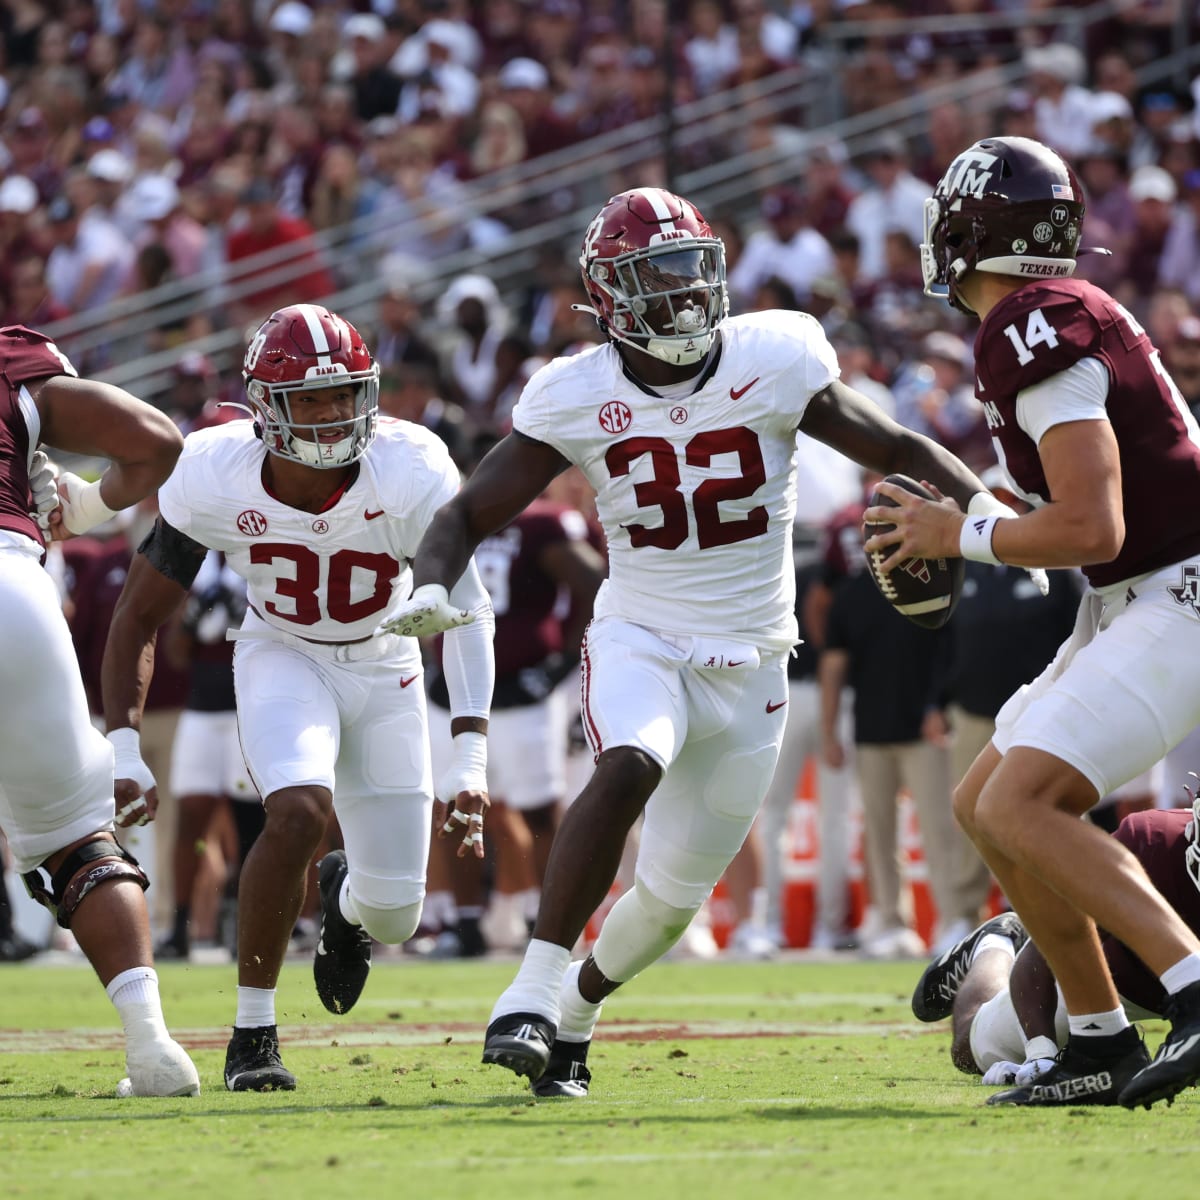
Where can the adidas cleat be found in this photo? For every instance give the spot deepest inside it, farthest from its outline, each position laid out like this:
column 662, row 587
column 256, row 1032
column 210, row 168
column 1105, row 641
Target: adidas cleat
column 1177, row 1063
column 566, row 1073
column 521, row 1042
column 1079, row 1077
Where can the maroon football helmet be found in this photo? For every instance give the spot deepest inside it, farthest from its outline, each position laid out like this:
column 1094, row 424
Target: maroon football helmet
column 1008, row 205
column 299, row 349
column 655, row 275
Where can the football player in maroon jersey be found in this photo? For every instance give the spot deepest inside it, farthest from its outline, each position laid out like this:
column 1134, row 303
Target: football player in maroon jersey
column 56, row 771
column 1093, row 431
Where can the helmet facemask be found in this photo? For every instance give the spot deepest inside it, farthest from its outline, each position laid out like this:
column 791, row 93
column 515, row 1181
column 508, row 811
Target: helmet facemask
column 298, row 442
column 666, row 300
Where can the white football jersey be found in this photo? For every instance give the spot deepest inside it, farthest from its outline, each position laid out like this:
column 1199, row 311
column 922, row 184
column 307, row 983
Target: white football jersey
column 330, row 576
column 697, row 494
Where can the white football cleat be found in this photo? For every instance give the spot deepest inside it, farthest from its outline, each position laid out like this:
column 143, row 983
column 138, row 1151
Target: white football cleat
column 159, row 1069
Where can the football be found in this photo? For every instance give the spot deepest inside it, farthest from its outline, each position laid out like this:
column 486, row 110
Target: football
column 925, row 590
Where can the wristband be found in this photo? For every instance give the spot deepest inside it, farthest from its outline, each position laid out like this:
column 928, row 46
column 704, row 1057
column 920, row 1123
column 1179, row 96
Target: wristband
column 430, row 593
column 127, row 757
column 470, row 753
column 975, row 539
column 83, row 508
column 1040, row 1047
column 984, row 504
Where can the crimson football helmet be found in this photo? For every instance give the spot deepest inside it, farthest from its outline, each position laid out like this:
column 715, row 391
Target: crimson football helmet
column 1007, row 204
column 303, row 348
column 655, row 275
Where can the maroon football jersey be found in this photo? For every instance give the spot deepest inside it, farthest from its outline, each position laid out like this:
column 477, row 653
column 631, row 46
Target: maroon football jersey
column 1158, row 841
column 525, row 599
column 25, row 356
column 1042, row 329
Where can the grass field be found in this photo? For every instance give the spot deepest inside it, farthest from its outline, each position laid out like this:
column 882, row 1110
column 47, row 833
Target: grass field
column 809, row 1081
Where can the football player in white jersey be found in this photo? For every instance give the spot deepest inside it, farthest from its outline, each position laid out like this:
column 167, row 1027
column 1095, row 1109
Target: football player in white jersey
column 320, row 505
column 685, row 425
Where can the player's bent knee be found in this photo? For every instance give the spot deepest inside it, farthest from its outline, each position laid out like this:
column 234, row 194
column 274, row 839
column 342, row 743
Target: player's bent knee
column 390, row 925
column 639, row 929
column 299, row 813
column 964, row 803
column 92, row 863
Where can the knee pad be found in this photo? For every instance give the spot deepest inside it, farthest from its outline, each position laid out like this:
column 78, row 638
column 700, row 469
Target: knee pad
column 389, row 925
column 639, row 929
column 102, row 860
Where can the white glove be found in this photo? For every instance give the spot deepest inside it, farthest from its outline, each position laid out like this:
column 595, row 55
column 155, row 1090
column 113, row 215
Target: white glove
column 82, row 507
column 1001, row 1074
column 1040, row 1055
column 128, row 764
column 984, row 504
column 43, row 487
column 427, row 611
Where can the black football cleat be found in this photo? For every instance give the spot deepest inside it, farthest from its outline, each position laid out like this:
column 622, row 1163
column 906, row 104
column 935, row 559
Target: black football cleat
column 566, row 1073
column 933, row 998
column 1083, row 1073
column 342, row 959
column 252, row 1062
column 521, row 1042
column 1177, row 1063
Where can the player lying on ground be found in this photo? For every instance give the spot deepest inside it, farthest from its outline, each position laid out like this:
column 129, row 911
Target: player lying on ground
column 1008, row 1020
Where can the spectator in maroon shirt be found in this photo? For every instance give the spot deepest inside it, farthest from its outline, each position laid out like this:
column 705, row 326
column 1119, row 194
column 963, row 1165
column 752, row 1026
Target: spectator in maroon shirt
column 267, row 228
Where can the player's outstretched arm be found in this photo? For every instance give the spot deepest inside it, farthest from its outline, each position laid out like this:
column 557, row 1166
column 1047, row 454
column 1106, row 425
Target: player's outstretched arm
column 511, row 475
column 509, row 478
column 856, row 426
column 85, row 416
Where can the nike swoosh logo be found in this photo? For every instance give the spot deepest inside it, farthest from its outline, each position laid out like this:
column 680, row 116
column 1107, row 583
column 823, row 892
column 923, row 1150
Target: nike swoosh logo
column 775, row 707
column 372, row 515
column 737, row 662
column 738, row 393
column 405, row 682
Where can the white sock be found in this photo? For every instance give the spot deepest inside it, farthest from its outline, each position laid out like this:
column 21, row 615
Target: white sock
column 255, row 1007
column 1103, row 1024
column 134, row 994
column 536, row 987
column 579, row 1016
column 1185, row 971
column 530, row 899
column 992, row 941
column 346, row 903
column 440, row 909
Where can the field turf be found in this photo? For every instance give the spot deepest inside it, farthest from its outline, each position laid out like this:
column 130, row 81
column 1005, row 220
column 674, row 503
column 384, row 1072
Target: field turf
column 809, row 1081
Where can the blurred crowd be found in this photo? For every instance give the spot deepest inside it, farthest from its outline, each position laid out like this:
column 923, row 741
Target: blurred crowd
column 144, row 143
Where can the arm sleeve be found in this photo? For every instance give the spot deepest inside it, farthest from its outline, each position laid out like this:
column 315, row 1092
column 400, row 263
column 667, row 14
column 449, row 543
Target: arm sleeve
column 468, row 657
column 1080, row 393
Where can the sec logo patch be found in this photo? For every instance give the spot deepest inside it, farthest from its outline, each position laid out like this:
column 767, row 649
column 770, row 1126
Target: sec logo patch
column 252, row 523
column 615, row 417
